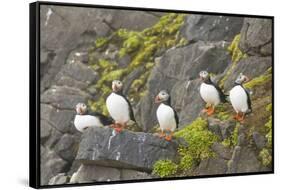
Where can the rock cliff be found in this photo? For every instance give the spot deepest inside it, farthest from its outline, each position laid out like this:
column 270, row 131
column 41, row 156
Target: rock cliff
column 83, row 50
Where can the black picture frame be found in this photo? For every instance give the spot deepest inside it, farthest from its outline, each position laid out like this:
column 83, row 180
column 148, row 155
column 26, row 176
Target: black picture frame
column 34, row 93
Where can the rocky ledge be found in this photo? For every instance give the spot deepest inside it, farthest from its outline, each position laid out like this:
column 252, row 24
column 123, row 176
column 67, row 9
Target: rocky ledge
column 127, row 150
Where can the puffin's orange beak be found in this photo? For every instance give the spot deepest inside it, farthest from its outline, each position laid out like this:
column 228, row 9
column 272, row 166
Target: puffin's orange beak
column 246, row 79
column 157, row 99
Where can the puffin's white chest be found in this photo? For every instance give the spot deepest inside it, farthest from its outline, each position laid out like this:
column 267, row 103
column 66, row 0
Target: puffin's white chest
column 166, row 117
column 238, row 98
column 83, row 121
column 209, row 94
column 118, row 108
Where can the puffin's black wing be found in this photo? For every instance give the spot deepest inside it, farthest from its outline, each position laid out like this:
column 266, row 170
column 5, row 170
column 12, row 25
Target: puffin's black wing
column 221, row 94
column 132, row 117
column 103, row 119
column 176, row 117
column 248, row 99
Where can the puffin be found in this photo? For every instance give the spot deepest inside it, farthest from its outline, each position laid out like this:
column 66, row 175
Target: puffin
column 119, row 107
column 167, row 117
column 240, row 98
column 85, row 118
column 210, row 93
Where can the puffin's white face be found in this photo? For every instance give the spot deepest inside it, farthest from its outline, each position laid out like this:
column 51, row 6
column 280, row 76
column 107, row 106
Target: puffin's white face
column 241, row 79
column 81, row 108
column 117, row 85
column 203, row 75
column 162, row 96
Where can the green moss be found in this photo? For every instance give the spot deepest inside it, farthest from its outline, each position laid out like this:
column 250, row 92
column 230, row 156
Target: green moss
column 142, row 47
column 232, row 140
column 187, row 161
column 199, row 139
column 98, row 105
column 164, row 168
column 260, row 80
column 265, row 157
column 268, row 136
column 222, row 113
column 269, row 107
column 101, row 42
column 233, row 48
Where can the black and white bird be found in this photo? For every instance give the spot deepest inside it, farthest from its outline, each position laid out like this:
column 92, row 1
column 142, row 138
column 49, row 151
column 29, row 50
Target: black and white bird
column 119, row 107
column 240, row 98
column 210, row 93
column 167, row 117
column 85, row 118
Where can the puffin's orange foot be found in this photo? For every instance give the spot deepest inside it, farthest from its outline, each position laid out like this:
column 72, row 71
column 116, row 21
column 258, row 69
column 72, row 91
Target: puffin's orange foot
column 118, row 129
column 168, row 138
column 236, row 116
column 241, row 119
column 210, row 111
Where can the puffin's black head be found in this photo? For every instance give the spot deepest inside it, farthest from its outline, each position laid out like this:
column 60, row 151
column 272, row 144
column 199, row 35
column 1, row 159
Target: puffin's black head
column 81, row 108
column 204, row 75
column 117, row 85
column 241, row 79
column 162, row 96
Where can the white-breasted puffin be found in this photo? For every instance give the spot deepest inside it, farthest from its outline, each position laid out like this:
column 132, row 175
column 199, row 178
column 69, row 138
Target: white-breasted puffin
column 85, row 118
column 167, row 117
column 210, row 93
column 240, row 98
column 119, row 107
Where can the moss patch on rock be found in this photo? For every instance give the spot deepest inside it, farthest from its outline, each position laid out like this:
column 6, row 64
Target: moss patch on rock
column 199, row 140
column 265, row 156
column 260, row 80
column 236, row 56
column 142, row 47
column 164, row 168
column 233, row 48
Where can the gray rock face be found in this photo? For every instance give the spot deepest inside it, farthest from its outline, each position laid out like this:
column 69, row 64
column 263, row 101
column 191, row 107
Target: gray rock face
column 243, row 160
column 222, row 129
column 63, row 97
column 212, row 166
column 211, row 28
column 65, row 28
column 139, row 151
column 91, row 173
column 221, row 151
column 252, row 66
column 51, row 164
column 256, row 36
column 259, row 140
column 70, row 75
column 127, row 174
column 61, row 178
column 176, row 72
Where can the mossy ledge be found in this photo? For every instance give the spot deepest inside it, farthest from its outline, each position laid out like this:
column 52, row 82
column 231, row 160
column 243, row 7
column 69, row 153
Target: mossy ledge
column 142, row 47
column 260, row 80
column 199, row 140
